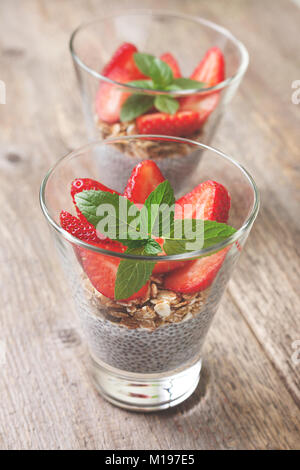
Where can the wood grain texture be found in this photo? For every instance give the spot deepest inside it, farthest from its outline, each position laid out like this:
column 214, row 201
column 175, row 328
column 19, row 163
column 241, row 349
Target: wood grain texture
column 249, row 395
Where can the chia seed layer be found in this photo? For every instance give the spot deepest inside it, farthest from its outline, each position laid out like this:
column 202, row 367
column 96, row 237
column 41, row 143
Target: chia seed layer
column 177, row 161
column 145, row 338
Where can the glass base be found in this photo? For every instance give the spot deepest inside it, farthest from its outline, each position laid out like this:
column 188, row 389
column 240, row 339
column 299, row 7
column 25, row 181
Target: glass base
column 145, row 392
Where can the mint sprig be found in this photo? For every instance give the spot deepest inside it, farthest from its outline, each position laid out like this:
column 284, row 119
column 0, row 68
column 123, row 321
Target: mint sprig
column 121, row 220
column 162, row 79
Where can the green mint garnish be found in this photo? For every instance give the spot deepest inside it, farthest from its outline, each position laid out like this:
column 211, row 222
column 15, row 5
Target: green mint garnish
column 132, row 275
column 154, row 68
column 162, row 79
column 121, row 220
column 183, row 239
column 136, row 105
column 157, row 214
column 185, row 84
column 111, row 214
column 148, row 84
column 166, row 104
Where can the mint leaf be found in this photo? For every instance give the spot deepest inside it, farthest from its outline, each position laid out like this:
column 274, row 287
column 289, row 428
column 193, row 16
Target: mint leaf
column 132, row 275
column 161, row 73
column 216, row 232
column 186, row 84
column 136, row 105
column 166, row 104
column 157, row 214
column 148, row 84
column 112, row 215
column 155, row 68
column 144, row 62
column 131, row 244
column 152, row 248
column 191, row 234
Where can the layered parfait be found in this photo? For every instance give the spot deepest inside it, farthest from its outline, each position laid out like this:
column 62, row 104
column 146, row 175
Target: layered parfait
column 148, row 316
column 152, row 103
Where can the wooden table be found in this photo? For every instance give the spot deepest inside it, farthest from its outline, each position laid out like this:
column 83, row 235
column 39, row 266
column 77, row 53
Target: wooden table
column 249, row 393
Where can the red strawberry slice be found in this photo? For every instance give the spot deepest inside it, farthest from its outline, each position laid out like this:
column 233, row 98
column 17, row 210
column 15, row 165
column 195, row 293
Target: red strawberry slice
column 100, row 269
column 209, row 201
column 180, row 124
column 86, row 232
column 110, row 98
column 123, row 58
column 102, row 272
column 86, row 184
column 211, row 69
column 166, row 266
column 169, row 59
column 196, row 275
column 122, row 69
column 204, row 106
column 143, row 180
column 82, row 230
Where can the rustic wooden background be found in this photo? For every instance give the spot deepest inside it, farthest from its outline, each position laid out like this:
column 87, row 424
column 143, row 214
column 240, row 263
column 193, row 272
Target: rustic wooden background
column 249, row 393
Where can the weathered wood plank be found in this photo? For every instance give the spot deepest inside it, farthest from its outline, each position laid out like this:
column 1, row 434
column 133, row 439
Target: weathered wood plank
column 250, row 386
column 266, row 284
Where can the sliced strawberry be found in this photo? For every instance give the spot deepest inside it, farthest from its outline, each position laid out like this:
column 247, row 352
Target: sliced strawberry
column 86, row 232
column 86, row 184
column 208, row 201
column 123, row 58
column 182, row 123
column 110, row 98
column 204, row 106
column 82, row 230
column 169, row 59
column 122, row 69
column 100, row 269
column 211, row 69
column 82, row 184
column 143, row 180
column 102, row 272
column 166, row 266
column 196, row 275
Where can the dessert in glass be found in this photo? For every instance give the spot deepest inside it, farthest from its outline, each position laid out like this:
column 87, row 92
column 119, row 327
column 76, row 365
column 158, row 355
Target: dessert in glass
column 161, row 73
column 147, row 265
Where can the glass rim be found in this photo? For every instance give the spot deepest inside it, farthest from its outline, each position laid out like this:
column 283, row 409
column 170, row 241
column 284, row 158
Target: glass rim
column 244, row 56
column 183, row 256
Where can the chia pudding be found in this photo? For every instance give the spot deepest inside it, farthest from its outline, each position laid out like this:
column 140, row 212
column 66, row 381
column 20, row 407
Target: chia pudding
column 159, row 333
column 177, row 161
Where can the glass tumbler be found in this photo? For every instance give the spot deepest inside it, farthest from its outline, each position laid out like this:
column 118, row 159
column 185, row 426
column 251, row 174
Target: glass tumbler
column 187, row 38
column 146, row 353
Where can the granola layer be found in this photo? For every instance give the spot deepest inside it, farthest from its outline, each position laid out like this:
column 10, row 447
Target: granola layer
column 158, row 308
column 144, row 148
